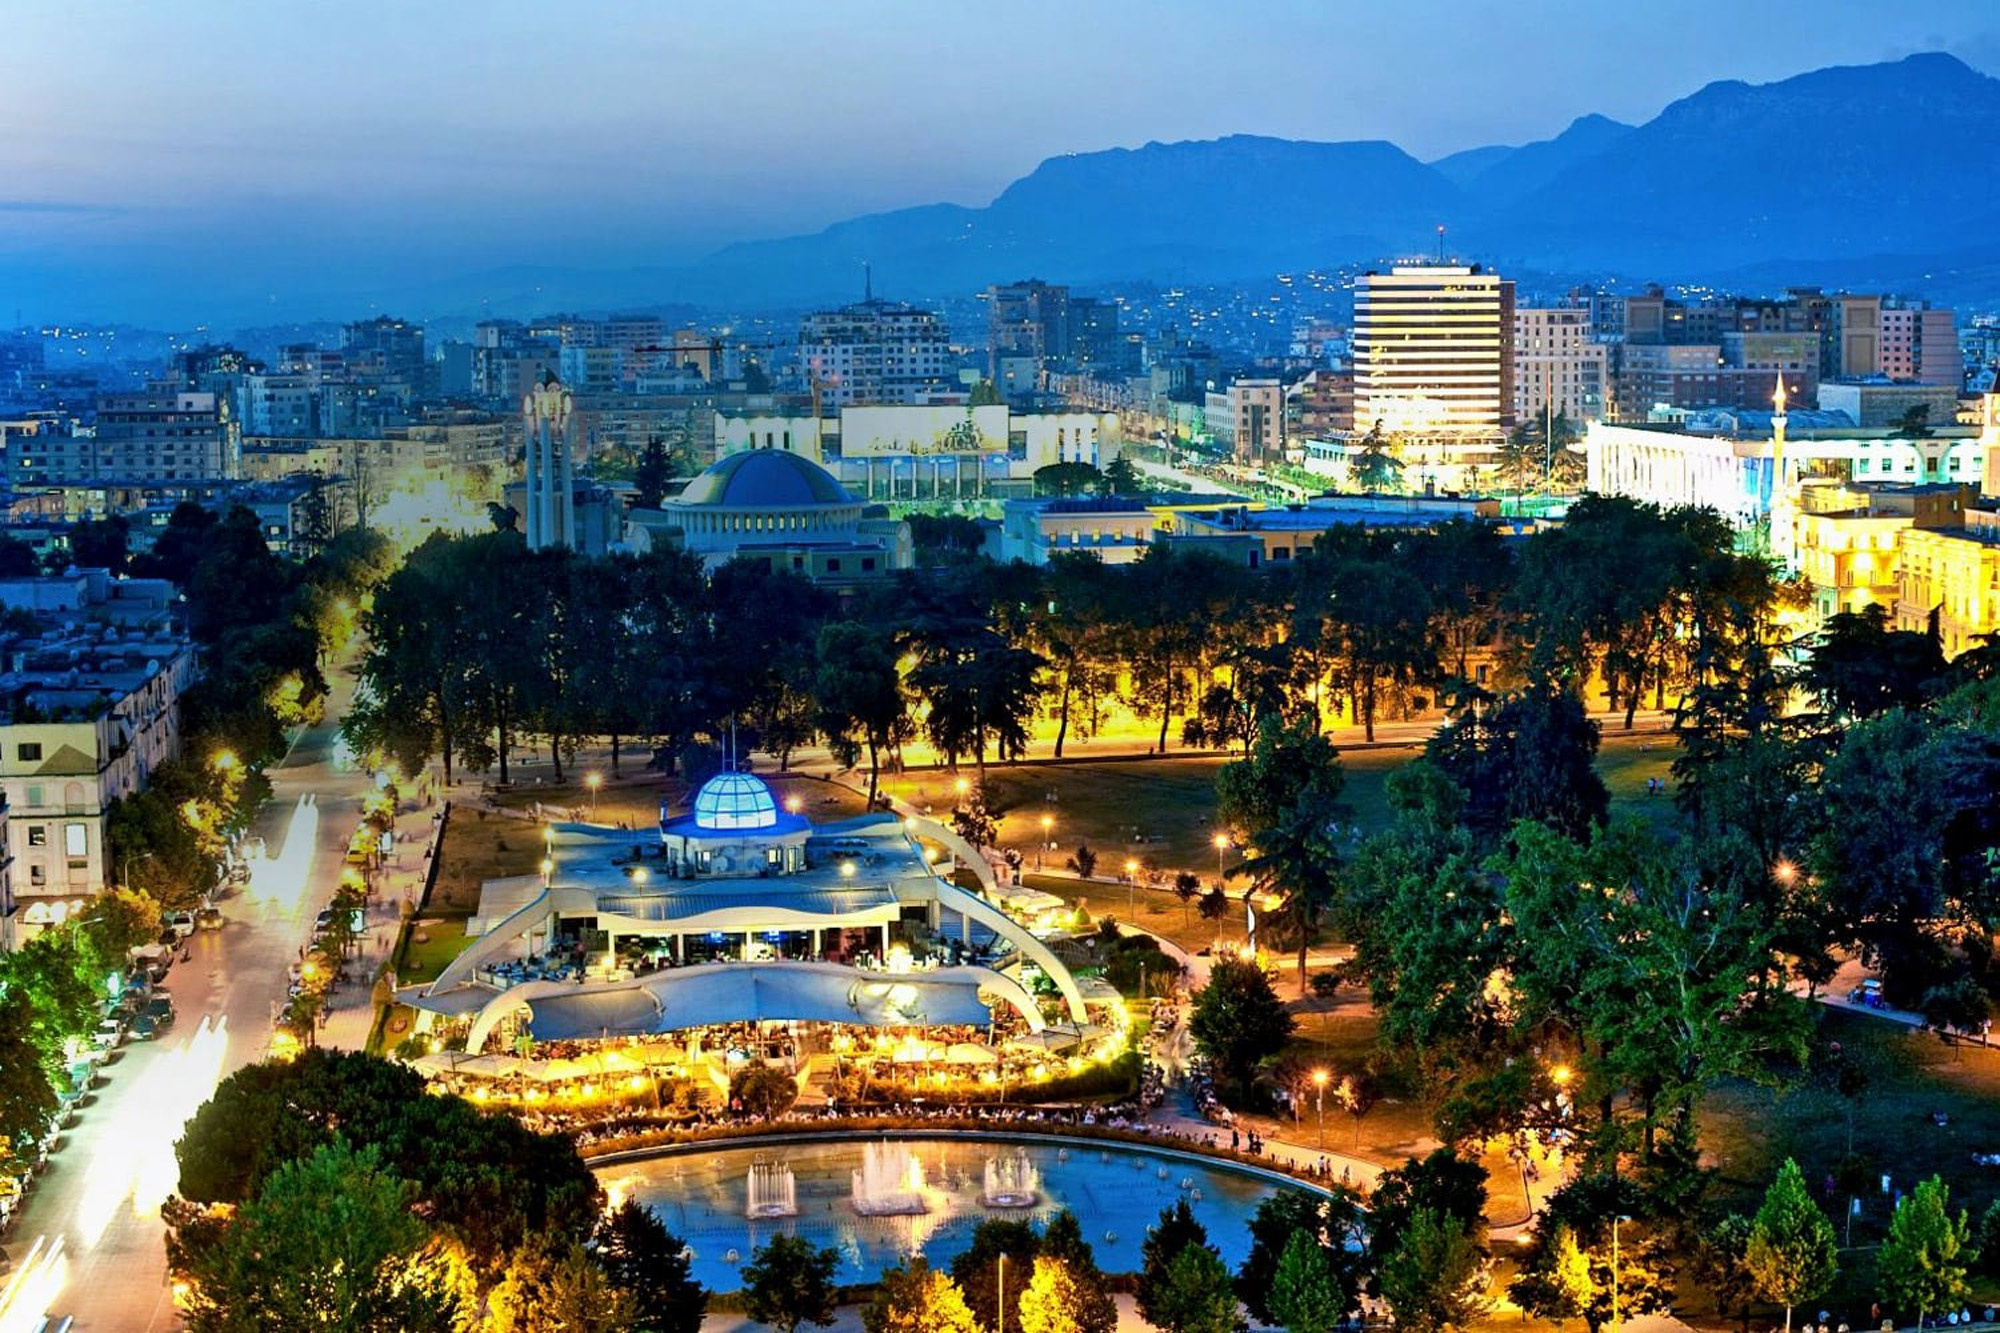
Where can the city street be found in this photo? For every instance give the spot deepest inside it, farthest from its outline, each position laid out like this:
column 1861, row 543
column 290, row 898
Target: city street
column 102, row 1189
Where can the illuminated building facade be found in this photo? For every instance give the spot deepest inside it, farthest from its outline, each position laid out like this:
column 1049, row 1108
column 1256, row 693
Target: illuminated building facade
column 1433, row 354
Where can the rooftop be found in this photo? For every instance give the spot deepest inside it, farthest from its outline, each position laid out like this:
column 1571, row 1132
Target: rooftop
column 763, row 479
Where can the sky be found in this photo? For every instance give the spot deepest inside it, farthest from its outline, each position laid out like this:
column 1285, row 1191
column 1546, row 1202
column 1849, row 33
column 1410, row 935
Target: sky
column 187, row 157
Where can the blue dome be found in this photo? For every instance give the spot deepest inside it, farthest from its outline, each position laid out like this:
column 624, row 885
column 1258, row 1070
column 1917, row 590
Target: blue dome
column 734, row 801
column 765, row 479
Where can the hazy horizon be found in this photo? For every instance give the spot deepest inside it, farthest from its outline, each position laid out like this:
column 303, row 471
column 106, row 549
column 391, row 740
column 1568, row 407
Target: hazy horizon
column 207, row 160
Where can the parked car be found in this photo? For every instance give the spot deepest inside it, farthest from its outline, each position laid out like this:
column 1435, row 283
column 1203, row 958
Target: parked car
column 160, row 1011
column 181, row 924
column 1869, row 994
column 109, row 1034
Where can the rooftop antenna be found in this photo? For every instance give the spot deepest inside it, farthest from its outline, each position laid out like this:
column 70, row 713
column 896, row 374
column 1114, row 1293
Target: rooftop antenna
column 1440, row 242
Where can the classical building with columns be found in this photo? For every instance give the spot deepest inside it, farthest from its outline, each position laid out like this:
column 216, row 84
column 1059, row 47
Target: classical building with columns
column 737, row 912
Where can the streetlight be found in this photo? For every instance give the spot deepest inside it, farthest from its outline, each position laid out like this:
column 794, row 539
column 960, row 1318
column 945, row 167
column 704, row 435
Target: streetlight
column 1617, row 1321
column 1319, row 1099
column 1221, row 846
column 548, row 868
column 593, row 781
column 961, row 786
column 1131, row 886
column 1000, row 1302
column 1048, row 823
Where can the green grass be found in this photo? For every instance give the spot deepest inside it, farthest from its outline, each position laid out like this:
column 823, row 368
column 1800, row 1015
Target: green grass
column 1163, row 810
column 425, row 958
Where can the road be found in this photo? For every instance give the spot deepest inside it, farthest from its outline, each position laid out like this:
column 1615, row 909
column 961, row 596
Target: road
column 102, row 1189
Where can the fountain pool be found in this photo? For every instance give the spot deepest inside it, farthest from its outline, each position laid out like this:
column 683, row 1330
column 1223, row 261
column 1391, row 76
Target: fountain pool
column 1116, row 1191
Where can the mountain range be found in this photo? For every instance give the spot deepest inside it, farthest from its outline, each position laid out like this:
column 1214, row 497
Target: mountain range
column 1871, row 168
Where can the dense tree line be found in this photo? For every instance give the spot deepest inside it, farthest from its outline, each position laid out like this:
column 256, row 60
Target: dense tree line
column 333, row 1192
column 480, row 643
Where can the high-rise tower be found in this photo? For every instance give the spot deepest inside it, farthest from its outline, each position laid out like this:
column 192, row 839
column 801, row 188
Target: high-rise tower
column 551, row 487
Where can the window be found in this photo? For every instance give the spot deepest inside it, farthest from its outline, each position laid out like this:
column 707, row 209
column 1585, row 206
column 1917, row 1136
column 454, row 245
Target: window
column 76, row 840
column 868, row 564
column 37, row 875
column 833, row 566
column 28, row 752
column 35, row 795
column 38, row 835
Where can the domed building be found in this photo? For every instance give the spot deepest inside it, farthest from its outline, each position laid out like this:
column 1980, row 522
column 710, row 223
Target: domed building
column 786, row 510
column 741, row 914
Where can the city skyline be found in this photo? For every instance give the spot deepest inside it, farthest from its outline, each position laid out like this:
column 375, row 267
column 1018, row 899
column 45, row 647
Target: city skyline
column 397, row 149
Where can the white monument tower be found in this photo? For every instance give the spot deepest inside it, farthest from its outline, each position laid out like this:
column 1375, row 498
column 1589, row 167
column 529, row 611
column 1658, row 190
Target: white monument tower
column 1784, row 490
column 551, row 488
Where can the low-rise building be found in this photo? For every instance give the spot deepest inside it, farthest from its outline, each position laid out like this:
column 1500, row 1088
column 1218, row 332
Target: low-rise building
column 1873, row 404
column 92, row 708
column 1850, row 539
column 783, row 510
column 903, row 452
column 1949, row 582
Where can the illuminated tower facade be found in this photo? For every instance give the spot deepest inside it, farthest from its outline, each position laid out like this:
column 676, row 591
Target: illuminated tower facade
column 546, row 412
column 1784, row 490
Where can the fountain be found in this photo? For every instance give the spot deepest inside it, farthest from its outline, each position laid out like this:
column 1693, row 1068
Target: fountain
column 1011, row 1182
column 889, row 1182
column 772, row 1191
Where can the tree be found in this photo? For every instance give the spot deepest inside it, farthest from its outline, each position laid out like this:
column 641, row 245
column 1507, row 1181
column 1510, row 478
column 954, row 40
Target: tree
column 1083, row 861
column 650, row 477
column 977, row 1271
column 1238, row 1021
column 1121, row 477
column 1859, row 667
column 489, row 1179
column 1194, row 1295
column 1063, row 1242
column 1442, row 1183
column 788, row 1282
column 1286, row 791
column 27, row 1096
column 1375, row 467
column 1530, row 755
column 860, row 695
column 1790, row 1255
column 556, row 1287
column 1177, row 1230
column 762, row 1090
column 1187, row 887
column 1330, row 1223
column 329, row 1242
column 1923, row 1263
column 916, row 1298
column 650, row 1264
column 1561, row 1287
column 1306, row 1295
column 1065, row 479
column 1058, row 1301
column 1435, row 1278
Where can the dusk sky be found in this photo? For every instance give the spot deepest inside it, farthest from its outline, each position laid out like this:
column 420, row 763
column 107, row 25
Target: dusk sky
column 308, row 144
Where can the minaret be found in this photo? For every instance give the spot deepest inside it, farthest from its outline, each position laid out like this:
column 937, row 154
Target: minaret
column 551, row 487
column 1784, row 493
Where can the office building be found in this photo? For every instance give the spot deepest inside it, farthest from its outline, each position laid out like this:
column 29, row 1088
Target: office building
column 1433, row 356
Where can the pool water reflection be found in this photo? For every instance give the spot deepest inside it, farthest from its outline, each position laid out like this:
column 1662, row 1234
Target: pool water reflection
column 1116, row 1191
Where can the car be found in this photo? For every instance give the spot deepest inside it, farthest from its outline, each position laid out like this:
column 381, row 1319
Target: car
column 159, row 1011
column 181, row 924
column 109, row 1033
column 208, row 917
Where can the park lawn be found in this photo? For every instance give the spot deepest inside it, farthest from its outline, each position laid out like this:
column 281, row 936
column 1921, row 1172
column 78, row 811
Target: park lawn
column 478, row 846
column 1748, row 1130
column 443, row 940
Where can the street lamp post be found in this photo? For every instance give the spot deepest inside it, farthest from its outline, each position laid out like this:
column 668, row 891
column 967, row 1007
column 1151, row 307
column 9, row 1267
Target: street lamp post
column 1617, row 1321
column 1048, row 824
column 1131, row 887
column 1319, row 1103
column 1221, row 846
column 593, row 781
column 1000, row 1302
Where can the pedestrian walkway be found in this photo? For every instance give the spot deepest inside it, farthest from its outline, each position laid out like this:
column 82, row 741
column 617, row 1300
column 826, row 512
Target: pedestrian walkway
column 350, row 1012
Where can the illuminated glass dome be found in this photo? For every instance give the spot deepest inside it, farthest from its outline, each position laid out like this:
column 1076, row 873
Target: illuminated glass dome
column 734, row 801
